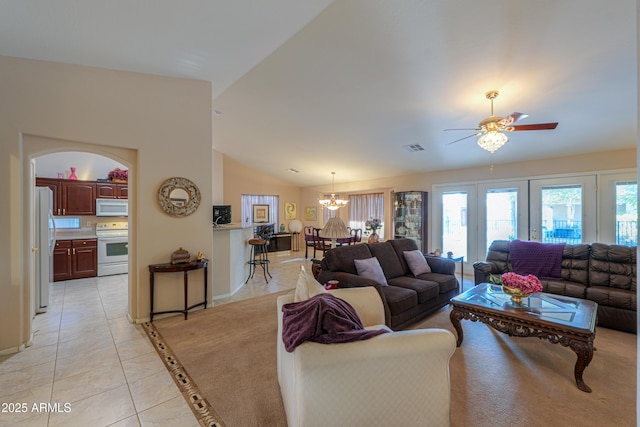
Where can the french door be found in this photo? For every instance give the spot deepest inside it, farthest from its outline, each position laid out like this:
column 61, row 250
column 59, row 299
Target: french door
column 563, row 210
column 503, row 212
column 467, row 218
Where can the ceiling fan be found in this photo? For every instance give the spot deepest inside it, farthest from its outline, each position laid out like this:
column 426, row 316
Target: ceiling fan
column 491, row 130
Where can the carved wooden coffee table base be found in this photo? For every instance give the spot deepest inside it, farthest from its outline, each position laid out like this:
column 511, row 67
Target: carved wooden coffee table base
column 483, row 303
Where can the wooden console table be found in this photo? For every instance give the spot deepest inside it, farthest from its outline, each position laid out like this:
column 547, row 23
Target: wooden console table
column 172, row 268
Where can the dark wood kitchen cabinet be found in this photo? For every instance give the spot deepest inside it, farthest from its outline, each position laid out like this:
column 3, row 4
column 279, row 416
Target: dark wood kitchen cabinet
column 75, row 259
column 78, row 197
column 111, row 190
column 62, row 260
column 71, row 197
column 54, row 185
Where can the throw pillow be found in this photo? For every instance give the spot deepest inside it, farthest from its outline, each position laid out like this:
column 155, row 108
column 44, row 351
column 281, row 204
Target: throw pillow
column 307, row 286
column 417, row 262
column 371, row 269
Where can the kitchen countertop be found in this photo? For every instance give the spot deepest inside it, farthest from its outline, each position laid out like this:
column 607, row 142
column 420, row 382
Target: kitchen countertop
column 232, row 226
column 75, row 234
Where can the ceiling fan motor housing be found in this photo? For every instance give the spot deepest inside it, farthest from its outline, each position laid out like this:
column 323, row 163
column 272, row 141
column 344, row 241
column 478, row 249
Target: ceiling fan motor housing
column 491, row 123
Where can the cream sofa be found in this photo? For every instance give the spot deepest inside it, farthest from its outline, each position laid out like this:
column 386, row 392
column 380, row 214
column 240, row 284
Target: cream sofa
column 397, row 378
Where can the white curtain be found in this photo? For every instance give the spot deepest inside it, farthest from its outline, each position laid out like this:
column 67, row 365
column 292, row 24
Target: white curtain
column 363, row 207
column 248, row 200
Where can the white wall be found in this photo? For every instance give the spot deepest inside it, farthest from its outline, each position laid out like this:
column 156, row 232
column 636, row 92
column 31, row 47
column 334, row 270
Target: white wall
column 156, row 126
column 89, row 167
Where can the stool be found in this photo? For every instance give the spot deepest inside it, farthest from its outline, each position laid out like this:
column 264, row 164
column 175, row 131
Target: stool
column 259, row 256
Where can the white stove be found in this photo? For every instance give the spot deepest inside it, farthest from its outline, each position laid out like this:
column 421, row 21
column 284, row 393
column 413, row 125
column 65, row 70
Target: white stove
column 113, row 247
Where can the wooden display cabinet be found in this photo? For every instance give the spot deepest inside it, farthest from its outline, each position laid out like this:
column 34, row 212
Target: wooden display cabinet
column 410, row 217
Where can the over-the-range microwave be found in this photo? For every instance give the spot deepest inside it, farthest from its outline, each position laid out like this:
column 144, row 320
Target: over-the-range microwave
column 112, row 207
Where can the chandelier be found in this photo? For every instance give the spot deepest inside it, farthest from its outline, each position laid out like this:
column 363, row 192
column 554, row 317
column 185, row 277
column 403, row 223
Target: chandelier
column 492, row 140
column 333, row 203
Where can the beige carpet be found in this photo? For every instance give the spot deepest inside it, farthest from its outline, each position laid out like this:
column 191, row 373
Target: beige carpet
column 229, row 351
column 498, row 380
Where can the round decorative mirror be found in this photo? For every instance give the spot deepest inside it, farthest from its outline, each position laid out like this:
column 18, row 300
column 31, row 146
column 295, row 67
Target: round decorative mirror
column 179, row 196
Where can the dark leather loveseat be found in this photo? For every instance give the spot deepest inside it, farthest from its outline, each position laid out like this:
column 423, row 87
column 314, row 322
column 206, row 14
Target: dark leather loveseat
column 599, row 272
column 407, row 298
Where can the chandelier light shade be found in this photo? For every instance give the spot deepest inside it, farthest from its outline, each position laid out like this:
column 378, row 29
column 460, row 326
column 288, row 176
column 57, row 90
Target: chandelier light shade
column 492, row 140
column 334, row 229
column 333, row 203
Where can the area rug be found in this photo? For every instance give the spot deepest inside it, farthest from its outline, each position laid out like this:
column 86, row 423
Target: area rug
column 229, row 351
column 229, row 354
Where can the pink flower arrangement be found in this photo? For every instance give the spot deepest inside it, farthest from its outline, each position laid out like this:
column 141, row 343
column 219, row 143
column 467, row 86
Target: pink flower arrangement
column 118, row 173
column 527, row 284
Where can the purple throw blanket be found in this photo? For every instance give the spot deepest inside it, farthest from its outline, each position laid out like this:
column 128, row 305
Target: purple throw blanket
column 324, row 319
column 543, row 260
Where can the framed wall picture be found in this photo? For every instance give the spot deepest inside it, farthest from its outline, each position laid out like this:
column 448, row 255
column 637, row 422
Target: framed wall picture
column 310, row 213
column 290, row 210
column 260, row 213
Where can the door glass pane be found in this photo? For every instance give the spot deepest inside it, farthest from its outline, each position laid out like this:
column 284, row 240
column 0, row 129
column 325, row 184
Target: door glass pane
column 454, row 223
column 562, row 214
column 627, row 213
column 502, row 214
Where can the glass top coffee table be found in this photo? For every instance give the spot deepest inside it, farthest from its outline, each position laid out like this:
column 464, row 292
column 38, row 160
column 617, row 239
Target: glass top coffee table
column 562, row 320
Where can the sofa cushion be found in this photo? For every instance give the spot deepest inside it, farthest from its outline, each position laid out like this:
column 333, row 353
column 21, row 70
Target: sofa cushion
column 446, row 282
column 562, row 287
column 388, row 259
column 425, row 290
column 400, row 246
column 499, row 254
column 613, row 266
column 417, row 262
column 400, row 299
column 612, row 297
column 575, row 263
column 341, row 258
column 370, row 268
column 307, row 286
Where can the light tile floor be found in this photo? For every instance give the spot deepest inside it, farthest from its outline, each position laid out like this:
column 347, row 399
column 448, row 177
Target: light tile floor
column 88, row 366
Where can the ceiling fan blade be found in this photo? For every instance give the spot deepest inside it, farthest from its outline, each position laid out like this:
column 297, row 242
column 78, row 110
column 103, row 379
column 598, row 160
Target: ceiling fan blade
column 464, row 129
column 512, row 118
column 537, row 126
column 469, row 136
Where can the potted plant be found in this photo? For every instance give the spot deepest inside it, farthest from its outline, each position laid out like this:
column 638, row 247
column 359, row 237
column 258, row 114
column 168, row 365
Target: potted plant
column 372, row 225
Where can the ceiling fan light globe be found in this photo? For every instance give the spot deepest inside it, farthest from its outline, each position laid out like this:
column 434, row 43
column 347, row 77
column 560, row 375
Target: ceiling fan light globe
column 492, row 141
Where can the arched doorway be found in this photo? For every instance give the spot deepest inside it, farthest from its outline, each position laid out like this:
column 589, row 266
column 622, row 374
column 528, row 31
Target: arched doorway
column 36, row 146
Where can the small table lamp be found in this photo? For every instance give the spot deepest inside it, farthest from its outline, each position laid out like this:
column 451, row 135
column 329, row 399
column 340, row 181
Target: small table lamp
column 334, row 229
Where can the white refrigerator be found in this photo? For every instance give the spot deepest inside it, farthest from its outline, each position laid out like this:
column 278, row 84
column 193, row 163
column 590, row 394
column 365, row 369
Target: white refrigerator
column 45, row 240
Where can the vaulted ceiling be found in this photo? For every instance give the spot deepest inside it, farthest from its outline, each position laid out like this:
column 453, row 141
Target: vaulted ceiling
column 345, row 85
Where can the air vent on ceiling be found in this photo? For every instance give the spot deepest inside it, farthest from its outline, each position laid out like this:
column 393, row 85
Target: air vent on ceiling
column 413, row 147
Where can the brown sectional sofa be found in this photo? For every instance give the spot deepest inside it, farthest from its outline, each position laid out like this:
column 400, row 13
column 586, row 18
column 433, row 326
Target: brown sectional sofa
column 407, row 298
column 598, row 272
